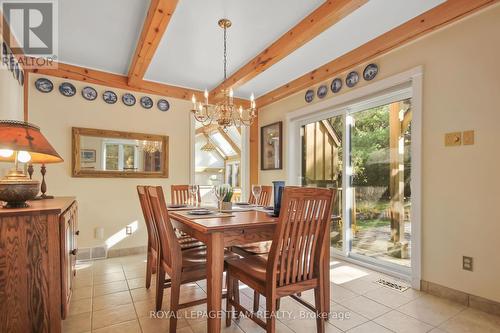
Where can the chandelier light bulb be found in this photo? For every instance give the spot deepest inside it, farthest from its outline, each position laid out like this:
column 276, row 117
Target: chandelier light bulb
column 231, row 93
column 23, row 156
column 252, row 97
column 6, row 152
column 206, row 93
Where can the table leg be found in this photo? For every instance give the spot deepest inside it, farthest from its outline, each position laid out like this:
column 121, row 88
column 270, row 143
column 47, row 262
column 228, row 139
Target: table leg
column 326, row 275
column 215, row 271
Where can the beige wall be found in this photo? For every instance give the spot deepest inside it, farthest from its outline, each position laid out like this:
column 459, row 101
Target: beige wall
column 110, row 203
column 11, row 94
column 461, row 186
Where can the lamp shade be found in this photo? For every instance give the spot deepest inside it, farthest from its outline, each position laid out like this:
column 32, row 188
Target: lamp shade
column 22, row 136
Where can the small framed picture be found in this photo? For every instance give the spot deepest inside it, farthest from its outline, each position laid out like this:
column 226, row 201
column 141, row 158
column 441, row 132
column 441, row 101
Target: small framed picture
column 271, row 150
column 87, row 156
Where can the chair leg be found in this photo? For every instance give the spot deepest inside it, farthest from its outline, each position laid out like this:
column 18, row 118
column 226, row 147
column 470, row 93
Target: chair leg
column 229, row 297
column 256, row 298
column 320, row 313
column 270, row 314
column 160, row 281
column 149, row 263
column 175, row 291
column 236, row 293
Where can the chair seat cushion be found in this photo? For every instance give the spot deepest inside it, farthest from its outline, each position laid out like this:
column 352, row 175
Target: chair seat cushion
column 188, row 242
column 194, row 259
column 255, row 248
column 254, row 267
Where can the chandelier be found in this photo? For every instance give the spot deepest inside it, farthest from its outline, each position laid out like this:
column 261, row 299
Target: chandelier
column 150, row 147
column 224, row 113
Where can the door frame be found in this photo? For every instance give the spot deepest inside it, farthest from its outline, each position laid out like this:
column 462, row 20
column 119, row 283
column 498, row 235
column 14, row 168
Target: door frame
column 412, row 81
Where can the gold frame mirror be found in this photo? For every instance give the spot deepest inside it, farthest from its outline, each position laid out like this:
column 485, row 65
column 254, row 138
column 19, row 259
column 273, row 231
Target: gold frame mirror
column 130, row 155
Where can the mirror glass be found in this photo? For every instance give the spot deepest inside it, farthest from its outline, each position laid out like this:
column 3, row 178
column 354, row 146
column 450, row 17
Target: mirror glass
column 121, row 155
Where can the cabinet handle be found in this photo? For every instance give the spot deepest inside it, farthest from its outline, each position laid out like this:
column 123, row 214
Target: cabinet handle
column 77, row 232
column 74, row 252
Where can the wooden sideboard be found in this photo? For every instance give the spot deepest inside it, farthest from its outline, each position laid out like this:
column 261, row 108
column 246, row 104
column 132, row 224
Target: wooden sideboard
column 37, row 264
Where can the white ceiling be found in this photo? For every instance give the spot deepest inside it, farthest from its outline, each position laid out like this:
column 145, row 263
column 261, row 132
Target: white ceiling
column 368, row 22
column 100, row 34
column 191, row 51
column 103, row 34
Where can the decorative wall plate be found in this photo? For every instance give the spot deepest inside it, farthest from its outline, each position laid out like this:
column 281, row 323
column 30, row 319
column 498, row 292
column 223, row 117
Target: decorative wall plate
column 4, row 48
column 336, row 85
column 128, row 99
column 67, row 89
column 309, row 96
column 21, row 78
column 163, row 105
column 109, row 97
column 44, row 85
column 146, row 102
column 89, row 93
column 16, row 71
column 352, row 79
column 322, row 91
column 370, row 72
column 12, row 62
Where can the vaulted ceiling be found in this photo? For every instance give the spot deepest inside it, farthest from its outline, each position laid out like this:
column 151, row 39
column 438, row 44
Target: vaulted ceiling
column 104, row 34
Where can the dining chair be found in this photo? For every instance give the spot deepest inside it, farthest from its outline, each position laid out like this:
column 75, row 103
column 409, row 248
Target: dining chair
column 294, row 262
column 180, row 194
column 258, row 248
column 182, row 266
column 186, row 242
column 264, row 198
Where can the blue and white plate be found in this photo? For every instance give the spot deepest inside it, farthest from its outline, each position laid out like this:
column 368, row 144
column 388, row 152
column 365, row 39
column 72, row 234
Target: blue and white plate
column 336, row 85
column 128, row 99
column 67, row 89
column 146, row 102
column 89, row 93
column 16, row 71
column 309, row 96
column 21, row 78
column 352, row 79
column 44, row 85
column 163, row 105
column 4, row 48
column 109, row 97
column 12, row 63
column 370, row 72
column 322, row 91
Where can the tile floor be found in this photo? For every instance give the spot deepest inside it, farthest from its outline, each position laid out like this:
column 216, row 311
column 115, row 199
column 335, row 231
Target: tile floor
column 110, row 297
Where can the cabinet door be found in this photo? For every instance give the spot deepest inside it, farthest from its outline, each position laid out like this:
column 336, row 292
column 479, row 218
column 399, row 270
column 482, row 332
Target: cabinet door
column 68, row 255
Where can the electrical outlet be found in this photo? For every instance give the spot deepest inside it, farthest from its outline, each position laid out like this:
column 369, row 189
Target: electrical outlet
column 453, row 139
column 467, row 263
column 128, row 230
column 468, row 138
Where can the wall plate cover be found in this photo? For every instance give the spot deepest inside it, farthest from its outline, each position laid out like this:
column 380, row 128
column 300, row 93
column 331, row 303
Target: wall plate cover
column 468, row 138
column 453, row 139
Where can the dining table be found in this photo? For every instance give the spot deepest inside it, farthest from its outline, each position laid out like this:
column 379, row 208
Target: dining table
column 231, row 229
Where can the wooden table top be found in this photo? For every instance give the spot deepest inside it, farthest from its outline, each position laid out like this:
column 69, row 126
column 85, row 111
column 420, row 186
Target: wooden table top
column 239, row 220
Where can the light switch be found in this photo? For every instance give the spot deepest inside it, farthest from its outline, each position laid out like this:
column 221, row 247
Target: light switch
column 468, row 138
column 453, row 139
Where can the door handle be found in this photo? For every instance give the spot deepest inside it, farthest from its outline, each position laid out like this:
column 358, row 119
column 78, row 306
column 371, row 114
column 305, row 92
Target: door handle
column 74, row 252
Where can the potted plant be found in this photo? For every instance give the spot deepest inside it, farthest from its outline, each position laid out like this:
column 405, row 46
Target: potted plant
column 226, row 203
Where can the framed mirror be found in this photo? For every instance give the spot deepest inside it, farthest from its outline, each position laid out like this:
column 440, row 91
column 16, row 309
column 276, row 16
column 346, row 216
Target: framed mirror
column 107, row 154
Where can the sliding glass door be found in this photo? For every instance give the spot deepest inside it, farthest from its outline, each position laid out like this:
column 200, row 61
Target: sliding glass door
column 364, row 151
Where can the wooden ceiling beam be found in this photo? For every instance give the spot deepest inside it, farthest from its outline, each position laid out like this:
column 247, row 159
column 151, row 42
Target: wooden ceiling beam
column 319, row 20
column 427, row 22
column 72, row 72
column 156, row 22
column 230, row 141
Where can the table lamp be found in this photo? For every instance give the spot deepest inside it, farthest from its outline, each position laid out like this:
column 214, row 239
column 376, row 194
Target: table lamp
column 22, row 142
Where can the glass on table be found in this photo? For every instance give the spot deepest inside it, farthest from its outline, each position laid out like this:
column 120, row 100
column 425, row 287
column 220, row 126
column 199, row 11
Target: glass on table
column 220, row 193
column 256, row 191
column 193, row 192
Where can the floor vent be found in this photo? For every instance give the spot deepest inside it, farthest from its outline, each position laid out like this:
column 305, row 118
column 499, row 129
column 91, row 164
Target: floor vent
column 392, row 285
column 90, row 253
column 83, row 254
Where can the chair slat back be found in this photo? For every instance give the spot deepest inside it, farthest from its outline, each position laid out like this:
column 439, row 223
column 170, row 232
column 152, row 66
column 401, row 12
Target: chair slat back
column 148, row 217
column 170, row 248
column 180, row 194
column 265, row 196
column 300, row 234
